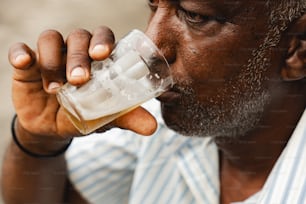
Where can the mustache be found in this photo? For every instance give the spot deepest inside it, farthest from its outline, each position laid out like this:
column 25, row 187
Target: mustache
column 182, row 86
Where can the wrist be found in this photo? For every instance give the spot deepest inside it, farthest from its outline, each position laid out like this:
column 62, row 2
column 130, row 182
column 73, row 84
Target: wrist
column 39, row 146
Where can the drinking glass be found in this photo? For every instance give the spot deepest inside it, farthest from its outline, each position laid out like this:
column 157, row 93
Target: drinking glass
column 135, row 72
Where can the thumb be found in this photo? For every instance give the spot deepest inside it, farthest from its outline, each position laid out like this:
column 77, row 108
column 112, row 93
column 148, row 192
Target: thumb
column 139, row 121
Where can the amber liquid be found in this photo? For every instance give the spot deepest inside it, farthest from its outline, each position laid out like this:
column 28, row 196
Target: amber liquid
column 111, row 93
column 88, row 126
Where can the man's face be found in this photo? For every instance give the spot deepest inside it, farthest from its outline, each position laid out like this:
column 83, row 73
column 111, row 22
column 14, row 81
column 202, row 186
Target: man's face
column 211, row 46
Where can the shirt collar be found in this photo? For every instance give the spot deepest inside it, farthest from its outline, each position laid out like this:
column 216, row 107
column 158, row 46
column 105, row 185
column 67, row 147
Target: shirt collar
column 287, row 181
column 198, row 164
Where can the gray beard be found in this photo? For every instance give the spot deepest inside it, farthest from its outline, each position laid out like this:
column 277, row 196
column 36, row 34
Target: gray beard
column 234, row 110
column 233, row 119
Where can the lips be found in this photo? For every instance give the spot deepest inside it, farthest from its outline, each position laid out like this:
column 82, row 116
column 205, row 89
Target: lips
column 169, row 97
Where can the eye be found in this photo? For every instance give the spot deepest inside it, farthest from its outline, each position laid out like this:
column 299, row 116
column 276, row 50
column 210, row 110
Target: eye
column 195, row 19
column 153, row 4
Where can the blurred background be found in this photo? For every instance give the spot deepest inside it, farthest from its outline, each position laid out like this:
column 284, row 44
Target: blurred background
column 23, row 21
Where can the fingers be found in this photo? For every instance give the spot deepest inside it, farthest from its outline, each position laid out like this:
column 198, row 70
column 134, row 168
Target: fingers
column 139, row 120
column 54, row 66
column 82, row 47
column 101, row 43
column 51, row 60
column 78, row 60
column 22, row 58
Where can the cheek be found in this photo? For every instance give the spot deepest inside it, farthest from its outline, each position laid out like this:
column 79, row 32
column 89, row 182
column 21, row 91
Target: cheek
column 209, row 64
column 217, row 59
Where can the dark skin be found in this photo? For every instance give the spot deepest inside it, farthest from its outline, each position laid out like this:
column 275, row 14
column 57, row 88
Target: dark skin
column 191, row 35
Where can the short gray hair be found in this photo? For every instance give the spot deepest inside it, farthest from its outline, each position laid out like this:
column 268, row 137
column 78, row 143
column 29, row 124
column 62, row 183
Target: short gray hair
column 283, row 12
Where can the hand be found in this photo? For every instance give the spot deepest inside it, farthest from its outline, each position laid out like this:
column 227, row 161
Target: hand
column 38, row 75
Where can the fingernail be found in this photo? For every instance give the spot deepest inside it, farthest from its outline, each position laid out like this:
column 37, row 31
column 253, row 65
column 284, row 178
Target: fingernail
column 78, row 72
column 22, row 58
column 100, row 49
column 53, row 86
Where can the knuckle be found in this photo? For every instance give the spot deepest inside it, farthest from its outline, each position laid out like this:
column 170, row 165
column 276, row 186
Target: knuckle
column 106, row 32
column 50, row 34
column 105, row 29
column 17, row 48
column 79, row 55
column 78, row 43
column 50, row 66
column 79, row 34
column 20, row 55
column 13, row 50
column 17, row 45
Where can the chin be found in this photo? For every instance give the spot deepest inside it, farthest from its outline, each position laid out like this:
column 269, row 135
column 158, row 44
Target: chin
column 182, row 123
column 219, row 131
column 207, row 121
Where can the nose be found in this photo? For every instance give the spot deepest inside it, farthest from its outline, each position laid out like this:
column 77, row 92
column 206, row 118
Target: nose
column 159, row 31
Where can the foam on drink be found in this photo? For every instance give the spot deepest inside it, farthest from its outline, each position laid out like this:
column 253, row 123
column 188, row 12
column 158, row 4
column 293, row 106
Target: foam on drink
column 134, row 73
column 117, row 92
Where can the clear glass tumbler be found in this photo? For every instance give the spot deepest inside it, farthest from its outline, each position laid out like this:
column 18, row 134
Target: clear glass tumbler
column 135, row 72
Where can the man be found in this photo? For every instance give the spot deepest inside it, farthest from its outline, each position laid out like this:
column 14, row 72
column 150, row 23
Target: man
column 239, row 68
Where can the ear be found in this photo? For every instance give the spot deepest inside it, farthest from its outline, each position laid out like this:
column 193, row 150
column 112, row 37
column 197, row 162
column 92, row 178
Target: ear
column 295, row 65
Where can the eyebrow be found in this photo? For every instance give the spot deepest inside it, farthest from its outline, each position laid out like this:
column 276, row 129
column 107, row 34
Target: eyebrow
column 204, row 6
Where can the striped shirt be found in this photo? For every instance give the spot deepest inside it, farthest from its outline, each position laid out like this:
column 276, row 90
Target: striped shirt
column 121, row 167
